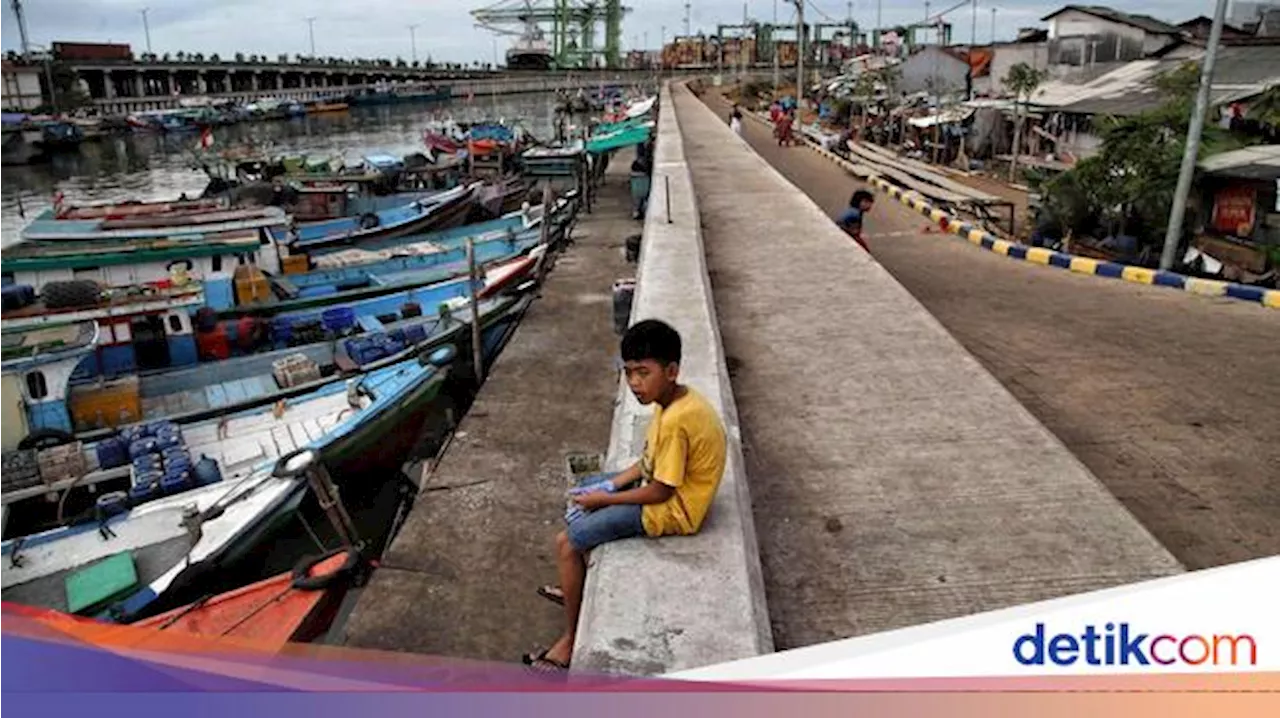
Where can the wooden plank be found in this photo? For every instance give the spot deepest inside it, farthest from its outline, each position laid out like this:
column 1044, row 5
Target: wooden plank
column 283, row 440
column 299, row 434
column 217, row 396
column 924, row 172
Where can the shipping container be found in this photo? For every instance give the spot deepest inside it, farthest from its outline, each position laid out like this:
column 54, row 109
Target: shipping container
column 91, row 51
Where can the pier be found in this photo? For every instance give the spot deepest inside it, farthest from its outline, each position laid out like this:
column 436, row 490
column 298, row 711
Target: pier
column 460, row 578
column 121, row 87
column 879, row 476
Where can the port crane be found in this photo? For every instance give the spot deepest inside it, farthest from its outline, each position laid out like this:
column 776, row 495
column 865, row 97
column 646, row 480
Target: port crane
column 570, row 24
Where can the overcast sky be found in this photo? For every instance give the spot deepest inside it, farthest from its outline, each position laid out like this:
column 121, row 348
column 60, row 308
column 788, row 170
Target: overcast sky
column 379, row 28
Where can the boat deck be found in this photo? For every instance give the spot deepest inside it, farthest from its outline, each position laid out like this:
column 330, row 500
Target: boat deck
column 483, row 526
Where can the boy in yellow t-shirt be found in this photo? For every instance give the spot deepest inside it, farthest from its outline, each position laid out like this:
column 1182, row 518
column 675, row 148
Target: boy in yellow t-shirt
column 669, row 491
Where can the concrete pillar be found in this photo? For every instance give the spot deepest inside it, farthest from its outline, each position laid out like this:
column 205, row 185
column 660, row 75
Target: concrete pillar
column 108, row 85
column 175, row 87
column 139, row 85
column 202, row 84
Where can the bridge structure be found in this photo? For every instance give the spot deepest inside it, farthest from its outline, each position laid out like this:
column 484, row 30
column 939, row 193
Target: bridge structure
column 125, row 86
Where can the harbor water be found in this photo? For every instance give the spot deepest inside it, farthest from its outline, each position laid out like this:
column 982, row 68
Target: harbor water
column 149, row 166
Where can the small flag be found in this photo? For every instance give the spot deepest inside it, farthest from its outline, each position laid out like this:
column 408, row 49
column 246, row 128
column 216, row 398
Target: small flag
column 206, row 138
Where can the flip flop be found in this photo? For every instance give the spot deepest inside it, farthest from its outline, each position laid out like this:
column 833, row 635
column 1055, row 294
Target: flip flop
column 552, row 594
column 539, row 662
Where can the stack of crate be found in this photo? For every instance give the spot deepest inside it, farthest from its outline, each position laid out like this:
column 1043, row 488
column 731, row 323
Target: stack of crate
column 20, row 470
column 294, row 370
column 62, row 463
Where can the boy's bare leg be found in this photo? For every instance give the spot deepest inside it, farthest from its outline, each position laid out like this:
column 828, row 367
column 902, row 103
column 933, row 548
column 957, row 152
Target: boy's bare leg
column 572, row 566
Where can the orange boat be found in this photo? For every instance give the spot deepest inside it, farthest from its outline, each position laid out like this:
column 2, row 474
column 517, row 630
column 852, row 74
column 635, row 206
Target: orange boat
column 293, row 607
column 327, row 107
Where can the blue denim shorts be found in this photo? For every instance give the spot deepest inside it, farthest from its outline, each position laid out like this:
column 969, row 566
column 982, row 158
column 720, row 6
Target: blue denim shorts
column 603, row 525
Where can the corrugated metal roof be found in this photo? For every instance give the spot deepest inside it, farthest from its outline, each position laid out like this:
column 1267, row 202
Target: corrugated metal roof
column 1142, row 22
column 1240, row 72
column 1261, row 162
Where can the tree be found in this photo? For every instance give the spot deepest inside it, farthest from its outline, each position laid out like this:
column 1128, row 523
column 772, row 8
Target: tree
column 240, row 57
column 182, row 56
column 1266, row 107
column 214, row 58
column 165, row 58
column 1023, row 80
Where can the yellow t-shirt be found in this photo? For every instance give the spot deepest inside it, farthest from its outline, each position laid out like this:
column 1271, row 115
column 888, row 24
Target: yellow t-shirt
column 684, row 449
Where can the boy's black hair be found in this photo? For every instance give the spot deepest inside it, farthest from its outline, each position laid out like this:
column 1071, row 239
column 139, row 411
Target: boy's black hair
column 860, row 195
column 651, row 339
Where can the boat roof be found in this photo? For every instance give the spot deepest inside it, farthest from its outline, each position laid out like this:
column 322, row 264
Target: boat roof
column 47, row 227
column 37, row 345
column 121, row 303
column 36, row 255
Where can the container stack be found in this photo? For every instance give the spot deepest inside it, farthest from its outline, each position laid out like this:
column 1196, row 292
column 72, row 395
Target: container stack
column 161, row 464
column 62, row 463
column 295, row 370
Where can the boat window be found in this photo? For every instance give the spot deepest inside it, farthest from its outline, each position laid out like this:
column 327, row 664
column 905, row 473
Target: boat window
column 175, row 324
column 37, row 387
column 217, row 262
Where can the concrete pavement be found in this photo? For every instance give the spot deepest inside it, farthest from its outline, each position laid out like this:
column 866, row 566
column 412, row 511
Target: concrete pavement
column 895, row 481
column 460, row 578
column 1171, row 399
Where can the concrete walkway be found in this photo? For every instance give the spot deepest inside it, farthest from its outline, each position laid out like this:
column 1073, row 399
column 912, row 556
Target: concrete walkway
column 895, row 481
column 1171, row 399
column 460, row 578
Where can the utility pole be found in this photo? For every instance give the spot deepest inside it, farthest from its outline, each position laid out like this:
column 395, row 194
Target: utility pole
column 800, row 33
column 993, row 27
column 686, row 19
column 973, row 32
column 146, row 28
column 1173, row 234
column 413, row 41
column 22, row 28
column 311, row 33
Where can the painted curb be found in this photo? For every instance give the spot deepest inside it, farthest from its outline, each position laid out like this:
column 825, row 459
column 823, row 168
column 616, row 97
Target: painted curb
column 1047, row 257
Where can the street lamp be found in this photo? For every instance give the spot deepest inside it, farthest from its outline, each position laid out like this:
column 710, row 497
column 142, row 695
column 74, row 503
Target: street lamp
column 413, row 41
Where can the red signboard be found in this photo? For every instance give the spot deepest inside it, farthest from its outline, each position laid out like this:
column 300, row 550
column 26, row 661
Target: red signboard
column 1233, row 210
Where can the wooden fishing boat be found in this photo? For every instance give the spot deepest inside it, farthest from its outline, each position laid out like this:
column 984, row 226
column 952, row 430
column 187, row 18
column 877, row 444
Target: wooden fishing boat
column 296, row 606
column 319, row 107
column 135, row 550
column 445, row 210
column 195, row 397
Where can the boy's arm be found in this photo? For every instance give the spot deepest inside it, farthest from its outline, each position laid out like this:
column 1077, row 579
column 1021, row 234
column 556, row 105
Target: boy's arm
column 629, row 475
column 655, row 492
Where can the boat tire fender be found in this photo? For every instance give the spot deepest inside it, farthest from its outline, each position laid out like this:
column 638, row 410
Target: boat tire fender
column 45, row 439
column 304, row 581
column 369, row 220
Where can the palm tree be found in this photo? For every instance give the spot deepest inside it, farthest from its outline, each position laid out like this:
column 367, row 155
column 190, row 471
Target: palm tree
column 1023, row 80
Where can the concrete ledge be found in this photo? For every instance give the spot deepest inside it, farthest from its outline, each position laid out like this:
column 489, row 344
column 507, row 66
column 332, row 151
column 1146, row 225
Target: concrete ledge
column 653, row 606
column 949, row 222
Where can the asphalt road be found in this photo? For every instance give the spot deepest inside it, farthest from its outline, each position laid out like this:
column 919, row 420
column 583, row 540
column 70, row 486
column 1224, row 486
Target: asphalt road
column 1171, row 399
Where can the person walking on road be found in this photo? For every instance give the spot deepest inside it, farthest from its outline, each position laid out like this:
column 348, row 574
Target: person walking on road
column 735, row 121
column 851, row 219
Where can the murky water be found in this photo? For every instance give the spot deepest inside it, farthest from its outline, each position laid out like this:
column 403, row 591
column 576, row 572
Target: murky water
column 151, row 166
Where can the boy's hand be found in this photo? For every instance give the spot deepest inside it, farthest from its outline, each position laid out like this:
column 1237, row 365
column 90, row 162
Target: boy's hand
column 605, row 485
column 592, row 500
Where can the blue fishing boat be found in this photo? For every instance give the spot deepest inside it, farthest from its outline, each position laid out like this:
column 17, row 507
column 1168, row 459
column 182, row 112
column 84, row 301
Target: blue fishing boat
column 37, row 368
column 162, row 535
column 164, row 542
column 447, row 209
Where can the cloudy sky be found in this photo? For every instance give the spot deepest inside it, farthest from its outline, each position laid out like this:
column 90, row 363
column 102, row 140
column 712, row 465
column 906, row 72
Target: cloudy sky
column 379, row 28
